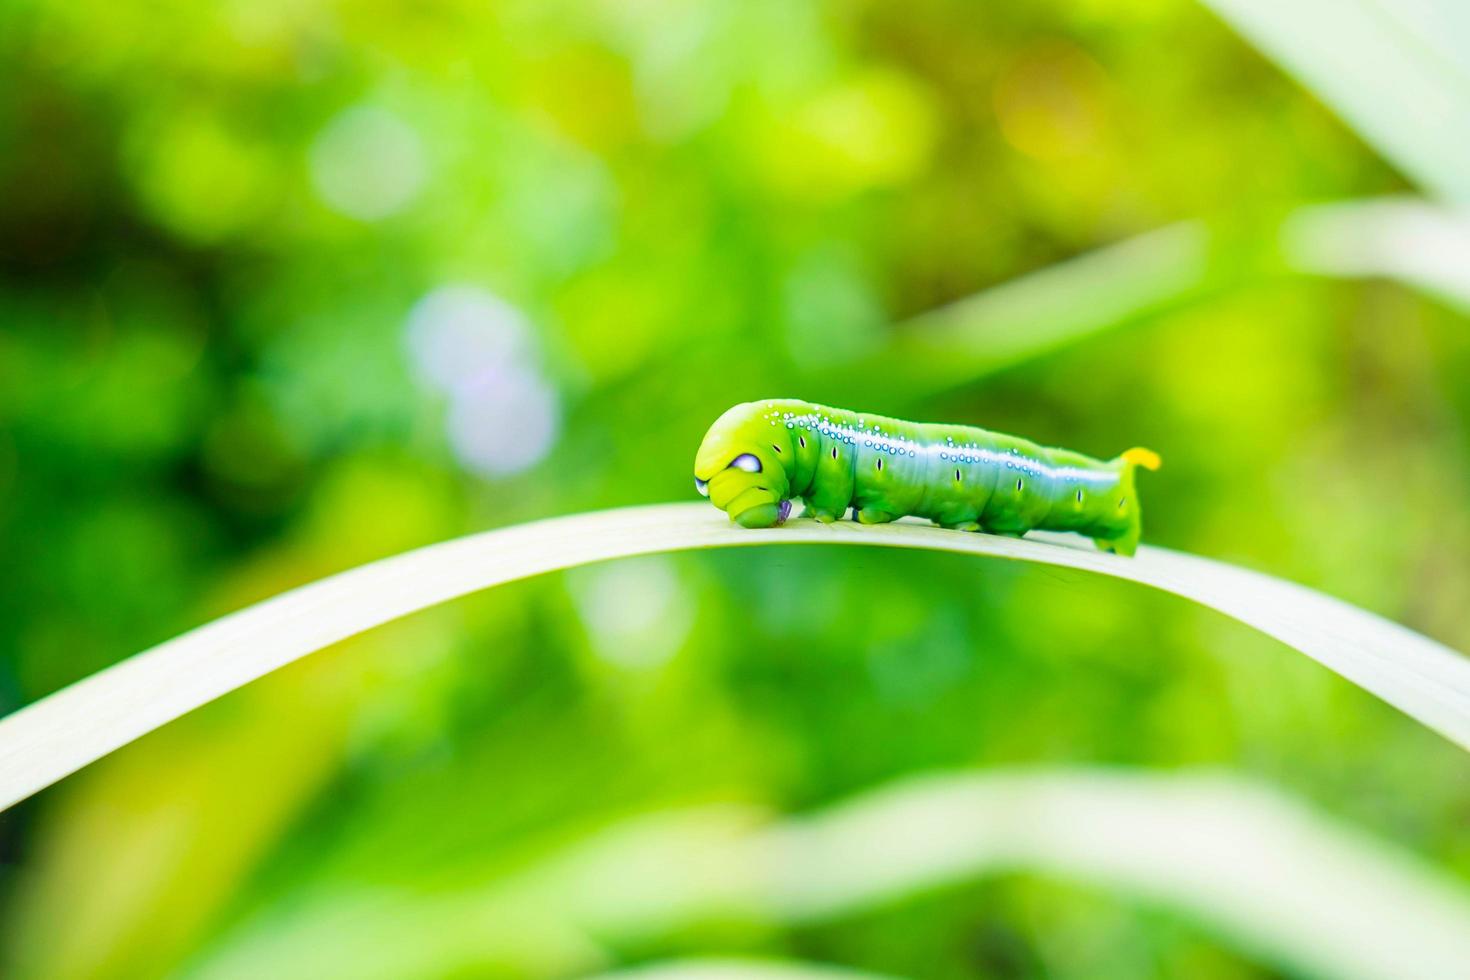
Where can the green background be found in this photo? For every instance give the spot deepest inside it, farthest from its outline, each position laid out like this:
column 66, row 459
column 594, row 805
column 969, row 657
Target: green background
column 288, row 287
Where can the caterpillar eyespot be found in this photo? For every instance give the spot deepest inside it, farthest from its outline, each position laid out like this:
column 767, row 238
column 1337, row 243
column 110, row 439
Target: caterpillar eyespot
column 966, row 503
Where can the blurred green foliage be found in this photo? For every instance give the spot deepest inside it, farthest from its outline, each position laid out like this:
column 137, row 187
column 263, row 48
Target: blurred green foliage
column 222, row 221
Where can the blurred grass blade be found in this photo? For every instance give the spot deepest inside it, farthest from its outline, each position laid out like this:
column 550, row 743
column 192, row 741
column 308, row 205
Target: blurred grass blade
column 1068, row 300
column 57, row 735
column 1279, row 879
column 1273, row 875
column 737, row 969
column 1257, row 866
column 1398, row 73
column 1421, row 245
column 1045, row 310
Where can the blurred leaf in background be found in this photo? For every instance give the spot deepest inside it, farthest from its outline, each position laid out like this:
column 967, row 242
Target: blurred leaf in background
column 288, row 287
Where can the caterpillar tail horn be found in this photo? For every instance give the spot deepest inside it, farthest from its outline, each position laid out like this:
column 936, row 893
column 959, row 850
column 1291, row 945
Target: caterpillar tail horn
column 1138, row 456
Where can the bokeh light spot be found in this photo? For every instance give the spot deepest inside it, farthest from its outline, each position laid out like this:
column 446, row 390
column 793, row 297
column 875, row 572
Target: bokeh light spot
column 638, row 612
column 1052, row 101
column 875, row 130
column 368, row 163
column 457, row 333
column 504, row 416
column 505, row 423
column 201, row 179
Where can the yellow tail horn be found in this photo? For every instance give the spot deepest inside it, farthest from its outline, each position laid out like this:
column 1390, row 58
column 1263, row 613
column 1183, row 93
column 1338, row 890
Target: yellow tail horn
column 1146, row 458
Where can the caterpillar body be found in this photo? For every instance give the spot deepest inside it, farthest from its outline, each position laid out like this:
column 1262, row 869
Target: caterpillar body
column 759, row 456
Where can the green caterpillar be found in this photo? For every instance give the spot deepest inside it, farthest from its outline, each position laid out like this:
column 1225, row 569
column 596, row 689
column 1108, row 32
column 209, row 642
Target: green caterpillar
column 758, row 456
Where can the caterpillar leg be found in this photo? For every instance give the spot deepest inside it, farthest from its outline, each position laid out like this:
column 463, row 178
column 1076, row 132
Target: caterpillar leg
column 1124, row 545
column 962, row 526
column 1005, row 525
column 1125, row 540
column 825, row 516
column 872, row 515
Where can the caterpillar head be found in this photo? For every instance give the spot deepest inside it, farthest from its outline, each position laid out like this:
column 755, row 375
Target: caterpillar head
column 742, row 464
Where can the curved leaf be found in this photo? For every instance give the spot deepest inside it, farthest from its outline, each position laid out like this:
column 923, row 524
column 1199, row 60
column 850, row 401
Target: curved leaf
column 57, row 735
